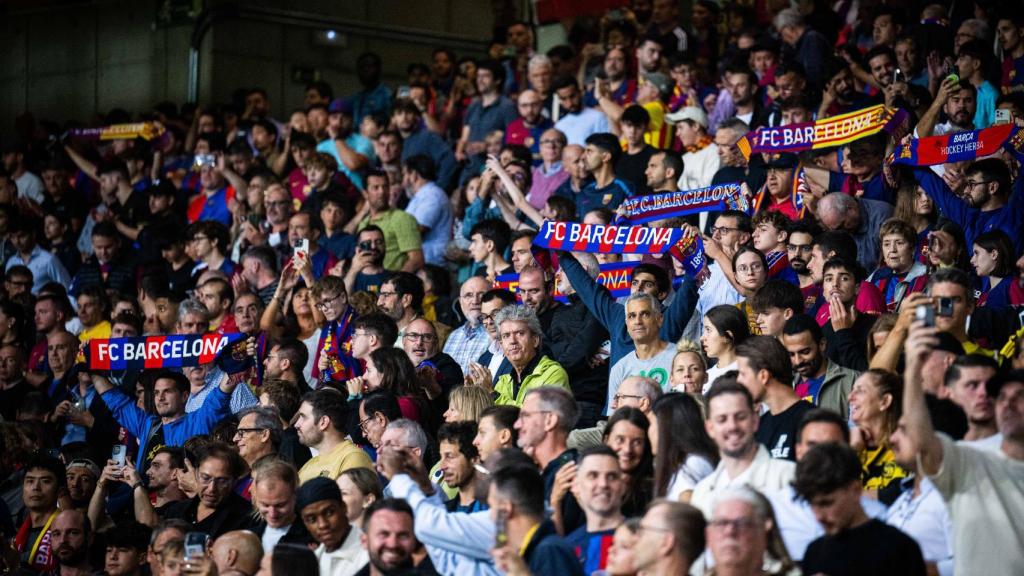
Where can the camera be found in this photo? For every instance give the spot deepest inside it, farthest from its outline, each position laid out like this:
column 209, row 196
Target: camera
column 365, row 246
column 944, row 307
column 926, row 314
column 205, row 160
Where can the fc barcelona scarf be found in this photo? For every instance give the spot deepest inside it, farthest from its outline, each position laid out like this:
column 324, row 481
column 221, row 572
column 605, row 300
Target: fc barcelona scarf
column 144, row 130
column 643, row 209
column 336, row 343
column 956, row 147
column 40, row 555
column 170, row 351
column 689, row 250
column 615, row 276
column 824, row 133
column 606, row 239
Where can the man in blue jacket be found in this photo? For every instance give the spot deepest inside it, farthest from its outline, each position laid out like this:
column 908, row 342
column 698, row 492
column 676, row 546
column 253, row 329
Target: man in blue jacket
column 612, row 315
column 171, row 426
column 989, row 200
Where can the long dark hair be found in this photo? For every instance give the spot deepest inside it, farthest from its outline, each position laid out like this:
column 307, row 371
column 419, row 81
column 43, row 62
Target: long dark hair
column 680, row 433
column 397, row 374
column 639, row 490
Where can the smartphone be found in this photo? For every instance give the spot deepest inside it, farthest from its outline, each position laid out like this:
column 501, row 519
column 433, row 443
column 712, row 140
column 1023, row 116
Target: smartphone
column 119, row 454
column 945, row 307
column 898, row 76
column 1003, row 117
column 195, row 544
column 301, row 249
column 500, row 529
column 926, row 314
column 205, row 160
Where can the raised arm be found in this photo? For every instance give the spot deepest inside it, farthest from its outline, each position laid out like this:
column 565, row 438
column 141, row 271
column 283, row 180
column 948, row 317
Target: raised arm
column 84, row 164
column 926, row 125
column 920, row 342
column 514, row 192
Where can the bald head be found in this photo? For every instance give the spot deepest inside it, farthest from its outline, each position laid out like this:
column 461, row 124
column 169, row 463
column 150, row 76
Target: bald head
column 530, row 105
column 839, row 211
column 239, row 550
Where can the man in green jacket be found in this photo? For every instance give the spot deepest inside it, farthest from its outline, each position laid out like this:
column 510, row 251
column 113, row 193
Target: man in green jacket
column 817, row 380
column 519, row 333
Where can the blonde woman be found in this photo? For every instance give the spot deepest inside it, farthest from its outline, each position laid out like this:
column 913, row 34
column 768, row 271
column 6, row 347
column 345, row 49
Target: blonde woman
column 467, row 403
column 360, row 488
column 689, row 368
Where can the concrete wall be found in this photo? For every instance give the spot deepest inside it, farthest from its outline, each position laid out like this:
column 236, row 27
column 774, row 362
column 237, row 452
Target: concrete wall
column 74, row 61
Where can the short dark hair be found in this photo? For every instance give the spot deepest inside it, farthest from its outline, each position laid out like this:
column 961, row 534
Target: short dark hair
column 407, row 283
column 743, row 220
column 380, row 325
column 778, row 293
column 562, row 82
column 391, row 504
column 767, row 353
column 635, row 115
column 422, row 165
column 180, row 380
column 283, row 395
column 266, row 256
column 826, row 416
column 850, row 266
column 724, row 389
column 496, row 231
column 384, row 402
column 176, row 454
column 877, row 51
column 213, row 230
column 498, row 294
column 296, row 353
column 606, row 142
column 328, row 402
column 322, row 88
column 45, row 462
column 504, row 418
column 661, row 277
column 824, row 469
column 495, row 68
column 226, row 454
column 730, row 322
column 106, row 230
column 992, row 169
column 800, row 323
column 462, row 434
column 672, row 161
column 132, row 535
column 523, row 486
column 967, row 361
column 951, row 276
column 840, row 244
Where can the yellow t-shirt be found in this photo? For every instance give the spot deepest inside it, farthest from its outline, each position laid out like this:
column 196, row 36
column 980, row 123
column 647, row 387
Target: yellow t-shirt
column 101, row 330
column 345, row 455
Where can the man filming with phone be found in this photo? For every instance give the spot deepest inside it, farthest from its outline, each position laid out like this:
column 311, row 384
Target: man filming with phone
column 303, row 236
column 367, row 271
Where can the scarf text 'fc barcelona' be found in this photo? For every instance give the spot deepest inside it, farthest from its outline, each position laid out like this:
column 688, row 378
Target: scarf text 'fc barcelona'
column 606, row 239
column 149, row 352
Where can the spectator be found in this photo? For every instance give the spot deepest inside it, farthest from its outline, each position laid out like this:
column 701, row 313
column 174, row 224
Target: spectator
column 403, row 247
column 216, row 510
column 352, row 151
column 320, row 423
column 429, row 206
column 44, row 266
column 817, row 379
column 418, row 140
column 321, row 508
column 489, row 111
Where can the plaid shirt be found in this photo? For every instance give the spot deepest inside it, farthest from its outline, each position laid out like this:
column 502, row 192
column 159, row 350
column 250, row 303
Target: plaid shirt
column 466, row 343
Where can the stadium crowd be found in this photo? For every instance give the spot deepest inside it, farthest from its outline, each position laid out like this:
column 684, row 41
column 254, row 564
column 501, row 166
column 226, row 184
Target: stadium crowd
column 420, row 388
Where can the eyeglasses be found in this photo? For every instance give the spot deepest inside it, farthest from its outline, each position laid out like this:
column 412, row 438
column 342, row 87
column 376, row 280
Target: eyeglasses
column 739, row 524
column 328, row 303
column 413, row 336
column 619, row 397
column 723, row 230
column 753, row 268
column 206, row 480
column 241, row 431
column 363, row 423
column 969, row 184
column 487, row 318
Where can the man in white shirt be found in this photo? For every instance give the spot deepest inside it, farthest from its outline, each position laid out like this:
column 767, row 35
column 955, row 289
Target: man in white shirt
column 731, row 423
column 577, row 122
column 323, row 511
column 983, row 490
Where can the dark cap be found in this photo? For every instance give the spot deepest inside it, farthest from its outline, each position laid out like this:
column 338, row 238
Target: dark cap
column 340, row 106
column 996, row 383
column 783, row 160
column 316, row 490
column 164, row 189
column 949, row 343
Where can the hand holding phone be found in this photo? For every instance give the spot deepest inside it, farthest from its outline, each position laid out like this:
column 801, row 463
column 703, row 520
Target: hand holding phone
column 195, row 544
column 301, row 250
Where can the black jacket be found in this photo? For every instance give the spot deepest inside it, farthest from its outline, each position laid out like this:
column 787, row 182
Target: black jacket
column 234, row 513
column 120, row 277
column 297, row 533
column 576, row 336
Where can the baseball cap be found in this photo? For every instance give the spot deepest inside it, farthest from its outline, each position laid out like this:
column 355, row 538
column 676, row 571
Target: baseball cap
column 784, row 160
column 692, row 113
column 340, row 106
column 85, row 463
column 659, row 80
